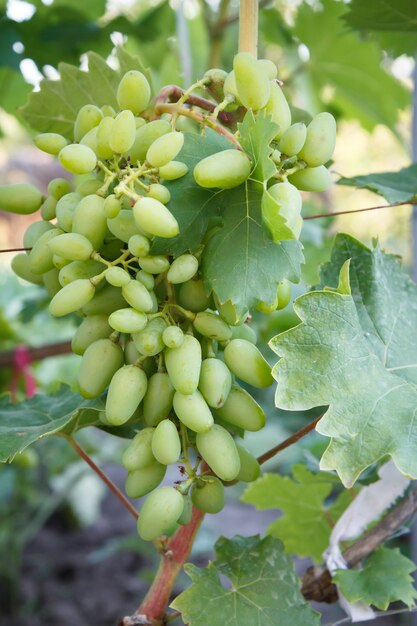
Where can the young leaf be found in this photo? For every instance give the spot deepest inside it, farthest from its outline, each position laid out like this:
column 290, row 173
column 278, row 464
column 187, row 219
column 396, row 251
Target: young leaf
column 262, row 586
column 398, row 186
column 255, row 136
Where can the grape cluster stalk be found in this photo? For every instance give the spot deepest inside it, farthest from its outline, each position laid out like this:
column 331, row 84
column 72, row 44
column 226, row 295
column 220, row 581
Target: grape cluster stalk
column 170, row 356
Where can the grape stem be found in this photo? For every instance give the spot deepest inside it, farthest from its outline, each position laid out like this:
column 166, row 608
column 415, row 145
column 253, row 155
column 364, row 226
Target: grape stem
column 269, row 454
column 371, row 208
column 173, row 92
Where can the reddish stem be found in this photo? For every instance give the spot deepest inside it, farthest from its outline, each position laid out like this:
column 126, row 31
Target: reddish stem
column 172, row 93
column 289, row 441
column 371, row 208
column 16, row 250
column 7, row 358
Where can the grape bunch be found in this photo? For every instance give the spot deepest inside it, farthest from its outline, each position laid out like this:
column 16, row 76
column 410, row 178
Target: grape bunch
column 169, row 355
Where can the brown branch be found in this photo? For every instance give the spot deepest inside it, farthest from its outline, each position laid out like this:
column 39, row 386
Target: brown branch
column 7, row 358
column 317, row 582
column 16, row 250
column 371, row 208
column 172, row 93
column 289, row 441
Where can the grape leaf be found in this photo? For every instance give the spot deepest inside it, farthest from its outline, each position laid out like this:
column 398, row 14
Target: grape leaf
column 263, row 586
column 385, row 15
column 385, row 578
column 255, row 136
column 356, row 353
column 306, row 523
column 241, row 263
column 398, row 186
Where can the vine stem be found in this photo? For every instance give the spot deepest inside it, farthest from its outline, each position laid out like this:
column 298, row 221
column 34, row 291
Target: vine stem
column 248, row 27
column 269, row 454
column 371, row 208
column 173, row 92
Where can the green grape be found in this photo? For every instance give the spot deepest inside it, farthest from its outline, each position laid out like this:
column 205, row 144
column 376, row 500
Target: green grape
column 108, row 110
column 77, row 159
column 145, row 136
column 148, row 341
column 321, row 140
column 21, row 267
column 252, row 82
column 215, row 382
column 283, row 294
column 276, row 156
column 242, row 410
column 127, row 320
column 139, row 245
column 72, row 246
column 183, row 365
column 99, row 363
column 153, row 217
column 268, row 67
column 137, row 296
column 79, row 269
column 277, row 107
column 48, row 208
column 90, row 140
column 126, row 391
column 112, row 206
column 266, row 308
column 244, row 331
column 139, row 121
column 104, row 132
column 40, row 257
column 154, row 264
column 212, row 326
column 88, row 117
column 187, row 513
column 207, row 494
column 117, row 276
column 193, row 411
column 91, row 329
column 250, row 469
column 123, row 132
column 159, row 192
column 247, row 363
column 230, row 87
column 142, row 481
column 293, row 139
column 51, row 143
column 20, row 198
column 123, row 226
column 51, row 282
column 173, row 337
column 159, row 512
column 89, row 220
column 34, row 231
column 225, row 169
column 27, row 459
column 311, row 179
column 155, row 307
column 157, row 403
column 59, row 262
column 59, row 187
column 192, row 296
column 173, row 170
column 182, row 269
column 89, row 186
column 146, row 279
column 219, row 451
column 164, row 149
column 65, row 210
column 71, row 297
column 134, row 92
column 138, row 454
column 214, row 83
column 285, row 200
column 166, row 443
column 106, row 301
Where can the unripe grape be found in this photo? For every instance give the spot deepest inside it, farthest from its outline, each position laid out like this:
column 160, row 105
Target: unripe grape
column 148, row 341
column 40, row 257
column 215, row 382
column 242, row 410
column 311, row 179
column 225, row 169
column 158, row 399
column 277, row 107
column 247, row 363
column 160, row 510
column 139, row 245
column 140, row 121
column 128, row 320
column 90, row 140
column 91, row 329
column 138, row 454
column 77, row 159
column 207, row 494
column 268, row 67
column 187, row 513
column 193, row 411
column 123, row 132
column 137, row 296
column 126, row 391
column 154, row 264
column 34, row 231
column 104, row 131
column 79, row 269
column 183, row 365
column 145, row 136
column 59, row 187
column 159, row 192
column 72, row 246
column 230, row 87
column 142, row 481
column 108, row 110
column 88, row 117
column 112, row 206
column 89, row 186
column 182, row 269
column 173, row 337
column 21, row 266
column 99, row 363
column 244, row 331
column 71, row 297
column 173, row 170
column 219, row 451
column 89, row 220
column 283, row 294
column 250, row 469
column 321, row 140
column 192, row 296
column 117, row 276
column 252, row 82
column 212, row 326
column 59, row 262
column 146, row 279
column 133, row 92
column 123, row 226
column 293, row 139
column 51, row 143
column 27, row 459
column 283, row 200
column 51, row 282
column 214, row 84
column 153, row 217
column 48, row 208
column 65, row 210
column 106, row 301
column 166, row 443
column 20, row 198
column 165, row 148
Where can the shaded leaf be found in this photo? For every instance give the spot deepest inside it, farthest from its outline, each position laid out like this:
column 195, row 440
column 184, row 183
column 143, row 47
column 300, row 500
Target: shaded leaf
column 385, row 15
column 398, row 186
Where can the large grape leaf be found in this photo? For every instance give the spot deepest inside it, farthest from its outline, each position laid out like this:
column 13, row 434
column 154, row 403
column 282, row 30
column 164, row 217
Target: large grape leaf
column 385, row 578
column 398, row 186
column 357, row 353
column 307, row 519
column 263, row 587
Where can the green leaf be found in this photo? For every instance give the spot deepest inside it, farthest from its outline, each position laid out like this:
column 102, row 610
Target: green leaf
column 241, row 263
column 13, row 89
column 383, row 15
column 41, row 416
column 262, row 587
column 305, row 525
column 357, row 354
column 385, row 578
column 255, row 136
column 339, row 59
column 398, row 186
